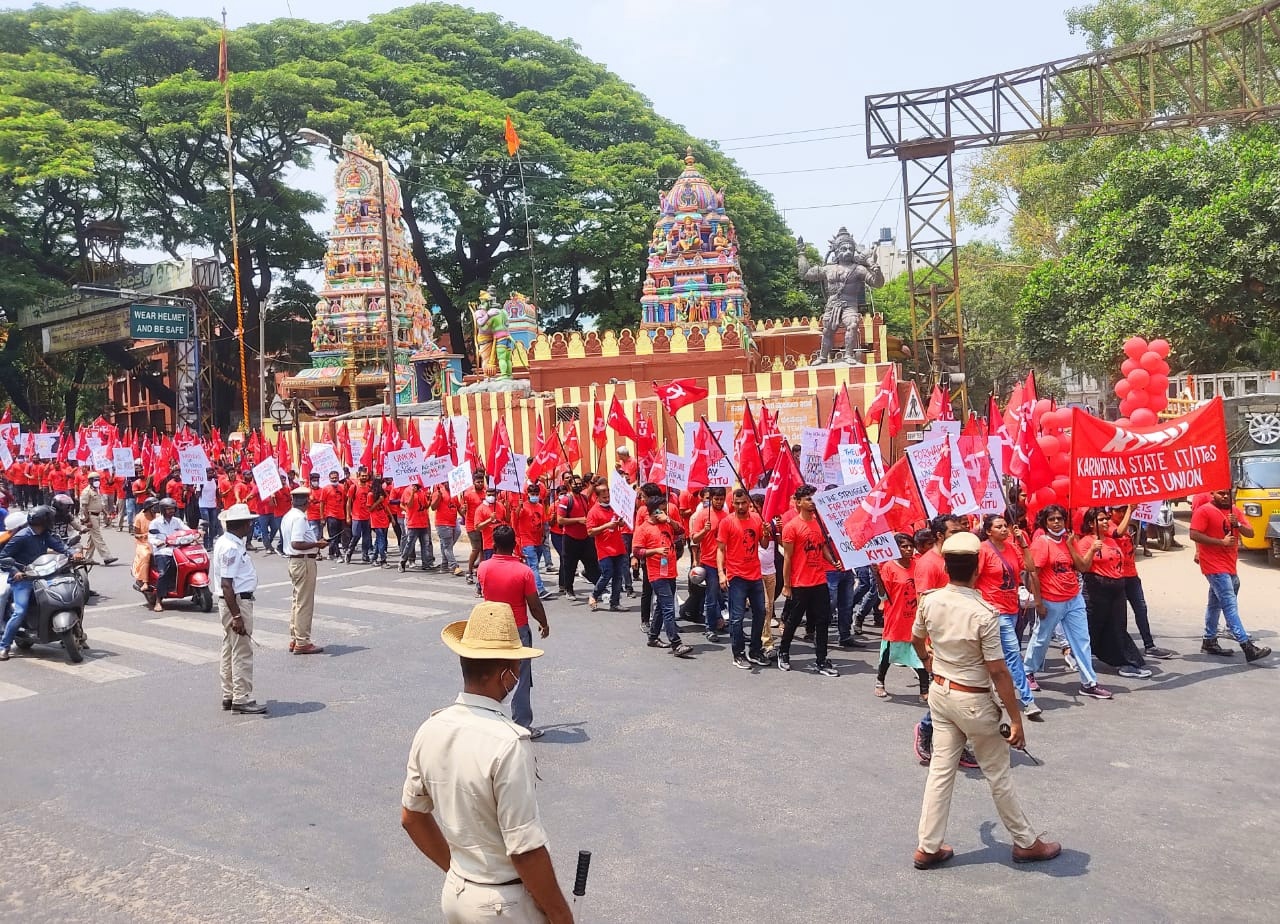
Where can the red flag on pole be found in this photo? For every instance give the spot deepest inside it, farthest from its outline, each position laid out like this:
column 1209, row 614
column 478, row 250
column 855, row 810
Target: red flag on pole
column 859, row 438
column 1029, row 463
column 771, row 438
column 747, row 450
column 546, row 456
column 886, row 401
column 646, row 436
column 472, row 454
column 618, row 421
column 500, row 453
column 678, row 393
column 284, row 458
column 415, row 435
column 783, row 484
column 937, row 490
column 705, row 453
column 344, row 445
column 599, row 436
column 840, row 427
column 893, row 505
column 572, row 449
column 367, row 450
column 939, row 405
column 440, row 441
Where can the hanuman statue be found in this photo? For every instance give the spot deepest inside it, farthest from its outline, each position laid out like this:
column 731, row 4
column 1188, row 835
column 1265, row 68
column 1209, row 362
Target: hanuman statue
column 844, row 276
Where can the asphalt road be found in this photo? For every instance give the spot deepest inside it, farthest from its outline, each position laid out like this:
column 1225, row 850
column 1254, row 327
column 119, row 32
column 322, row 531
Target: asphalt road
column 707, row 794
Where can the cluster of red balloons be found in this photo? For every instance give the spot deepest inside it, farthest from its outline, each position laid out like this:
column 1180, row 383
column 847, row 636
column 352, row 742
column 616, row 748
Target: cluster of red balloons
column 1054, row 426
column 1144, row 389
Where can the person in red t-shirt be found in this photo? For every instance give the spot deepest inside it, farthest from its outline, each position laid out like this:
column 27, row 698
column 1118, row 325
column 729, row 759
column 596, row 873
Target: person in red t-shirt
column 604, row 526
column 626, row 466
column 1105, row 603
column 471, row 501
column 1123, row 533
column 739, row 539
column 333, row 504
column 531, row 529
column 898, row 578
column 415, row 503
column 1216, row 528
column 806, row 555
column 654, row 545
column 379, row 520
column 503, row 578
column 577, row 547
column 930, row 570
column 1002, row 561
column 445, row 511
column 358, row 514
column 704, row 528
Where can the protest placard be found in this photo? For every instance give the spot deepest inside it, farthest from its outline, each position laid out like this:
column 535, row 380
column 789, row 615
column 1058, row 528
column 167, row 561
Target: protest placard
column 720, row 474
column 6, row 458
column 403, row 466
column 193, row 464
column 46, row 445
column 101, row 458
column 459, row 479
column 1174, row 458
column 924, row 461
column 324, row 460
column 835, row 506
column 10, row 432
column 622, row 498
column 122, row 461
column 1146, row 512
column 435, row 470
column 852, row 467
column 266, row 475
column 677, row 472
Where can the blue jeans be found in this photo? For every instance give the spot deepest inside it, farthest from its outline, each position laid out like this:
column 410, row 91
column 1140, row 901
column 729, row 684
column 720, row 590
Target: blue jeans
column 416, row 535
column 530, row 553
column 544, row 551
column 612, row 567
column 1223, row 602
column 521, row 707
column 664, row 597
column 447, row 535
column 360, row 532
column 1013, row 656
column 1075, row 625
column 21, row 593
column 741, row 592
column 380, row 544
column 711, row 599
column 840, row 589
column 131, row 509
column 864, row 598
column 213, row 526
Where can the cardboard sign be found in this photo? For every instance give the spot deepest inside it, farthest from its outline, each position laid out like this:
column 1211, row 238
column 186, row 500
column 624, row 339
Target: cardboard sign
column 851, row 464
column 513, row 473
column 1148, row 512
column 435, row 470
column 6, row 458
column 835, row 506
column 46, row 445
column 924, row 460
column 357, row 449
column 266, row 475
column 101, row 459
column 1175, row 458
column 622, row 498
column 720, row 474
column 122, row 461
column 459, row 479
column 192, row 464
column 403, row 466
column 813, row 468
column 792, row 414
column 677, row 472
column 324, row 460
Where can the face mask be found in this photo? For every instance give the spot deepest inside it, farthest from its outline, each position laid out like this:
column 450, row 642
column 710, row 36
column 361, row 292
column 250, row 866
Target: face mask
column 1057, row 534
column 603, row 503
column 492, row 498
column 534, row 495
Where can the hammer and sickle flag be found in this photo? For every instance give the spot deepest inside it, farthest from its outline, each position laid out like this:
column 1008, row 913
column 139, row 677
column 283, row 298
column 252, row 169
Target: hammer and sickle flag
column 893, row 505
column 678, row 393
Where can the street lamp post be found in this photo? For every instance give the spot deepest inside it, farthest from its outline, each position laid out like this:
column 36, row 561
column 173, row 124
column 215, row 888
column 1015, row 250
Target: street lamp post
column 312, row 136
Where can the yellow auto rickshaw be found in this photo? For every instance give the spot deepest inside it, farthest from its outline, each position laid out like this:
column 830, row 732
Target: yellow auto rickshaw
column 1257, row 479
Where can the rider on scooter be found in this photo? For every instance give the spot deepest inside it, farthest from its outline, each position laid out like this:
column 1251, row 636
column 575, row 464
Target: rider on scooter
column 26, row 545
column 162, row 527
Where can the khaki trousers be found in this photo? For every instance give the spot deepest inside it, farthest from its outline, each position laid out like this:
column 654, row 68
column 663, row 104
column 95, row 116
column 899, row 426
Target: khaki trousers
column 957, row 716
column 466, row 902
column 302, row 574
column 770, row 594
column 96, row 540
column 237, row 654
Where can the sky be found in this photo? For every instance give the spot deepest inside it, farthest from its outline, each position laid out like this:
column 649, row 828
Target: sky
column 779, row 87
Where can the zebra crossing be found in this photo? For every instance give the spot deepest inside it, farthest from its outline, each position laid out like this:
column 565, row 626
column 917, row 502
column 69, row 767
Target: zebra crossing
column 129, row 642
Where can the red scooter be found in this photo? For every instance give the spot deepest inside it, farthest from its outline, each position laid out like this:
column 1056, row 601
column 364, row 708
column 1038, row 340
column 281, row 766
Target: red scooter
column 192, row 576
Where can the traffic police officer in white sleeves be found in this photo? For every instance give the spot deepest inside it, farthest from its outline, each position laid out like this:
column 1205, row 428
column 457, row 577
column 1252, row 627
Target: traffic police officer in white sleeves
column 234, row 580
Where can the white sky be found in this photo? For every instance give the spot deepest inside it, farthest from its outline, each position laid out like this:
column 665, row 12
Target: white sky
column 726, row 69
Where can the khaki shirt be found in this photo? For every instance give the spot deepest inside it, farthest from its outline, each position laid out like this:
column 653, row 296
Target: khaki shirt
column 964, row 631
column 91, row 501
column 474, row 768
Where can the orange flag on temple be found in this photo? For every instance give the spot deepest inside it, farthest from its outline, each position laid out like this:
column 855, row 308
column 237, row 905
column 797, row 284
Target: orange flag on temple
column 513, row 140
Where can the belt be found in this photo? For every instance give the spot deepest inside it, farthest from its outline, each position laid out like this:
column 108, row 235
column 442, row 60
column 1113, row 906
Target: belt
column 300, row 556
column 952, row 685
column 493, row 885
column 248, row 596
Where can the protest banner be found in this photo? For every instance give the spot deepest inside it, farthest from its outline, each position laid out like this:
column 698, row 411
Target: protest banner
column 193, row 464
column 324, row 460
column 266, row 475
column 720, row 474
column 1175, row 458
column 1147, row 512
column 459, row 479
column 46, row 445
column 813, row 469
column 357, row 449
column 924, row 460
column 435, row 470
column 835, row 506
column 792, row 414
column 122, row 461
column 677, row 472
column 403, row 466
column 622, row 498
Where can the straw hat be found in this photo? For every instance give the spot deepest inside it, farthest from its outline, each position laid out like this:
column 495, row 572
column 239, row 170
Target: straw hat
column 237, row 513
column 489, row 633
column 301, row 491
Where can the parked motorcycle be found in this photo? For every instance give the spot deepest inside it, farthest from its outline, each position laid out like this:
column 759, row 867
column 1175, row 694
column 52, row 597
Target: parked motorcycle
column 1163, row 527
column 192, row 577
column 59, row 589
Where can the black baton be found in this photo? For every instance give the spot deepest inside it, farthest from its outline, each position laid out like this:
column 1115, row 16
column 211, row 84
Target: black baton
column 580, row 884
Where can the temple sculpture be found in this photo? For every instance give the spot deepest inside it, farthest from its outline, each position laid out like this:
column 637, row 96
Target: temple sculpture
column 693, row 275
column 845, row 275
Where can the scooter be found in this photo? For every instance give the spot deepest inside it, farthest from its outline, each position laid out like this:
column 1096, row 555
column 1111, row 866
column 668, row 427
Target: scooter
column 60, row 587
column 192, row 577
column 1163, row 527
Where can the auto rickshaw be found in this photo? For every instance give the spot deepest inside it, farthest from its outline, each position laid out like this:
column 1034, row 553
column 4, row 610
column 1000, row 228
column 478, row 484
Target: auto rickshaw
column 1257, row 479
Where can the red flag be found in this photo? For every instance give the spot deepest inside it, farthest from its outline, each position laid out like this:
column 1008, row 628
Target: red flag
column 840, row 427
column 646, row 436
column 83, row 452
column 598, row 426
column 886, row 401
column 1029, row 463
column 782, row 486
column 974, row 453
column 678, row 393
column 858, row 437
column 892, row 505
column 940, row 405
column 618, row 421
column 415, row 435
column 705, row 454
column 572, row 449
column 284, row 457
column 937, row 490
column 344, row 445
column 546, row 456
column 513, row 140
column 747, row 450
column 453, row 444
column 472, row 455
column 304, row 468
column 500, row 453
column 367, row 450
column 771, row 438
column 7, row 416
column 440, row 441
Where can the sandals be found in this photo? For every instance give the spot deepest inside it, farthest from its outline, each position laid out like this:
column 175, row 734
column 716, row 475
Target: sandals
column 880, row 690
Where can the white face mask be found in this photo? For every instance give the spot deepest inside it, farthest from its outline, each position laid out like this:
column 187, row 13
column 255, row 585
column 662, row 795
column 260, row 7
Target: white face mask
column 1057, row 534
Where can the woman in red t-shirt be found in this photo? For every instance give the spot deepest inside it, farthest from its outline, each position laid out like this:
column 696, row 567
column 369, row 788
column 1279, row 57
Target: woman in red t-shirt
column 1104, row 596
column 379, row 521
column 1002, row 561
column 899, row 582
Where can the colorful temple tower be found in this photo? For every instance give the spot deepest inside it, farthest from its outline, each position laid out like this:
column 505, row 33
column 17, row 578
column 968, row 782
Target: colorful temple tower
column 693, row 276
column 349, row 334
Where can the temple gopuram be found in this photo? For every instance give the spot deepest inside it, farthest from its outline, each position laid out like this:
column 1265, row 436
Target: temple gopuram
column 349, row 334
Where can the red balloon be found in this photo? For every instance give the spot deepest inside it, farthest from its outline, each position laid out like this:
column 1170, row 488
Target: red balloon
column 1159, row 346
column 1049, row 445
column 1128, row 366
column 1134, row 347
column 1151, row 361
column 1122, row 388
column 1122, row 422
column 1158, row 403
column 1139, row 378
column 1043, row 406
column 1158, row 385
column 1137, row 398
column 1045, row 496
column 1143, row 417
column 1061, row 486
column 1162, row 369
column 1061, row 463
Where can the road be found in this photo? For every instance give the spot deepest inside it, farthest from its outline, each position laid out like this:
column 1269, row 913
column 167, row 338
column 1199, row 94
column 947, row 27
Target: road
column 707, row 794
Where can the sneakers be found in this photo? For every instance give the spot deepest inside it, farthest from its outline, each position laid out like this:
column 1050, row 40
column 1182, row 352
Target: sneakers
column 1160, row 654
column 1037, row 852
column 1211, row 646
column 967, row 760
column 759, row 660
column 1254, row 652
column 252, row 707
column 740, row 661
column 711, row 636
column 850, row 642
column 6, row 653
column 1095, row 691
column 1033, row 712
column 824, row 668
column 471, row 575
column 1031, row 683
column 1072, row 663
column 546, row 595
column 681, row 650
column 784, row 662
column 1135, row 673
column 924, row 742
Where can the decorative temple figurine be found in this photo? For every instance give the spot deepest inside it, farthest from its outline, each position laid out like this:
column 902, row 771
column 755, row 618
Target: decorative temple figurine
column 692, row 276
column 844, row 276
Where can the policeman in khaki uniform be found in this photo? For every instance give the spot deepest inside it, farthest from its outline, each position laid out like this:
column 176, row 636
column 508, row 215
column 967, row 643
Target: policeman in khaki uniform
column 964, row 655
column 93, row 507
column 468, row 801
column 234, row 580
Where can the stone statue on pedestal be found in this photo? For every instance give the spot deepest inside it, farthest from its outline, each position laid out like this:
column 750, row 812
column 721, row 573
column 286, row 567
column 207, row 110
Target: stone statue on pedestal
column 845, row 276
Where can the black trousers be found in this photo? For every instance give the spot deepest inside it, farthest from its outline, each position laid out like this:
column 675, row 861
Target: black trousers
column 1108, row 612
column 168, row 570
column 812, row 602
column 334, row 527
column 575, row 551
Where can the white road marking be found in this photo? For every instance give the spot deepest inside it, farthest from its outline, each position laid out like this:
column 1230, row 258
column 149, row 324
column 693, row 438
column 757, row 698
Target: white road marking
column 173, row 650
column 201, row 627
column 380, row 606
column 320, row 621
column 467, row 600
column 94, row 670
column 10, row 691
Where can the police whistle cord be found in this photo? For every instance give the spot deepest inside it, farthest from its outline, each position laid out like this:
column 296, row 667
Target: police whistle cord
column 1006, row 731
column 580, row 884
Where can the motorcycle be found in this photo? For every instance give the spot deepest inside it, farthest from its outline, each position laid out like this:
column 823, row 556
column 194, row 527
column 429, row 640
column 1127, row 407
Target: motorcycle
column 192, row 574
column 1163, row 527
column 60, row 587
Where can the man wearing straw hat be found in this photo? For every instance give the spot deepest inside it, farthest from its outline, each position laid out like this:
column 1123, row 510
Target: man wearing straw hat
column 234, row 580
column 468, row 802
